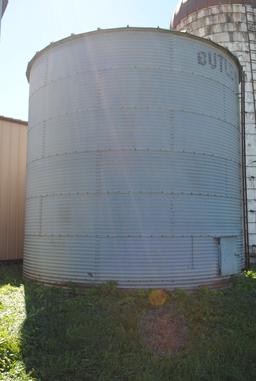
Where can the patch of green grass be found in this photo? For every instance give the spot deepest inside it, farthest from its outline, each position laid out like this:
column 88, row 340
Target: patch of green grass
column 52, row 334
column 12, row 316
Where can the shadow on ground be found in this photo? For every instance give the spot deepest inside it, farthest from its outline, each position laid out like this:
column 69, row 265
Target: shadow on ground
column 95, row 335
column 11, row 273
column 74, row 336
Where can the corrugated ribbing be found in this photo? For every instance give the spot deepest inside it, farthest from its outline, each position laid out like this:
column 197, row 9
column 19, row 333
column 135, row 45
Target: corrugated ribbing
column 134, row 161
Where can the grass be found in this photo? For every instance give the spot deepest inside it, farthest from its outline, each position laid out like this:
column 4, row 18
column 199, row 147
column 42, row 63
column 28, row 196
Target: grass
column 52, row 334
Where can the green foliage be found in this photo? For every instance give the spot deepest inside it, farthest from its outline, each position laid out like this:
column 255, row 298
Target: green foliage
column 51, row 334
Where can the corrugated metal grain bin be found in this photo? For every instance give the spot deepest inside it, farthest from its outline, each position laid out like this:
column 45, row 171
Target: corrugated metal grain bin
column 13, row 146
column 133, row 161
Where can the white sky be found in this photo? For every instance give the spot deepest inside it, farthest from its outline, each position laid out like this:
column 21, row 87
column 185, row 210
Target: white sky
column 30, row 25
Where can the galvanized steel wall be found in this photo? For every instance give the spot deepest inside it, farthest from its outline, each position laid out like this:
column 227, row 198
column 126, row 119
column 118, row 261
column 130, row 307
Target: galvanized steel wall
column 133, row 160
column 13, row 145
column 234, row 27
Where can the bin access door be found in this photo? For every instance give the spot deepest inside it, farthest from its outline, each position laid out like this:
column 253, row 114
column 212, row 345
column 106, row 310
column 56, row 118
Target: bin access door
column 228, row 255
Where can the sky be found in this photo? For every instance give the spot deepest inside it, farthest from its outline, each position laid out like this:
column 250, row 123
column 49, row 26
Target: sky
column 30, row 25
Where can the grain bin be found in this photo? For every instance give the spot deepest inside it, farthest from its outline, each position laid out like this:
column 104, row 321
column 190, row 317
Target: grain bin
column 13, row 148
column 232, row 24
column 133, row 161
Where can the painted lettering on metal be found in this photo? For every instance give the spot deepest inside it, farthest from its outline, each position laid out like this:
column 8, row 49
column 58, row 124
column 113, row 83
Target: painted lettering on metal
column 216, row 62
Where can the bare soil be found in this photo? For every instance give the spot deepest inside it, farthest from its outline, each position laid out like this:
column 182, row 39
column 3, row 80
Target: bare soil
column 163, row 331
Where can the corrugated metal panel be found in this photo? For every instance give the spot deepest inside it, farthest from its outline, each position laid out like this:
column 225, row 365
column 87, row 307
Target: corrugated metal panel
column 13, row 142
column 134, row 161
column 132, row 262
column 226, row 24
column 119, row 172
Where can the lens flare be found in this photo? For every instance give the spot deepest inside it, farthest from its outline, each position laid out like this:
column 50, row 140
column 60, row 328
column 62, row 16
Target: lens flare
column 158, row 297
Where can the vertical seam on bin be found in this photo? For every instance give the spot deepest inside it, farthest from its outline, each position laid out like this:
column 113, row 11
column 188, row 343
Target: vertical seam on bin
column 40, row 215
column 43, row 140
column 98, row 185
column 192, row 253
